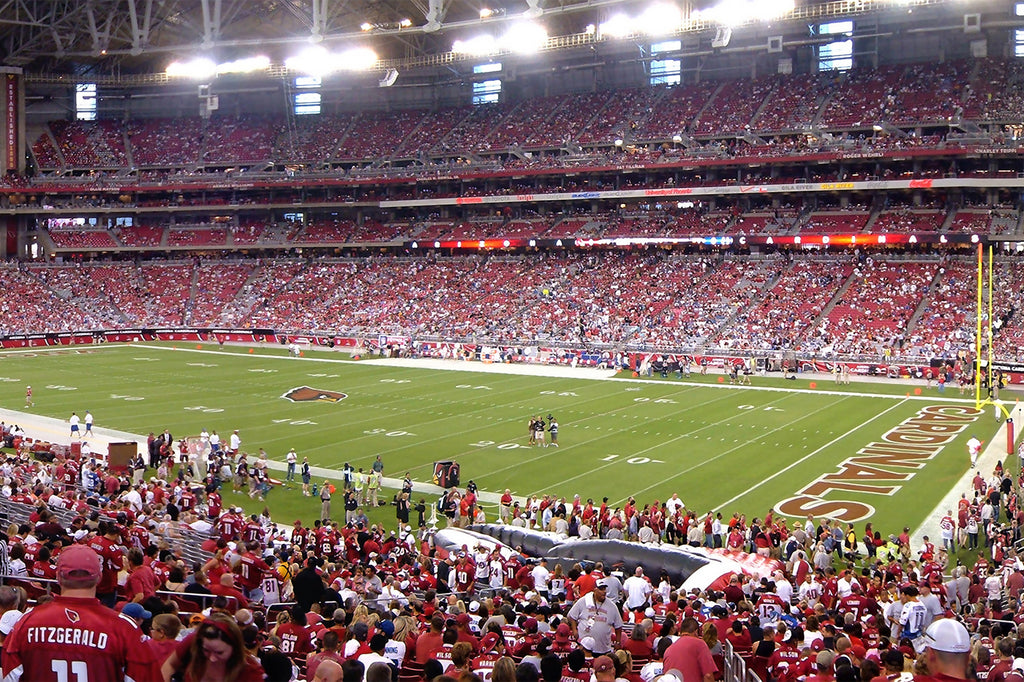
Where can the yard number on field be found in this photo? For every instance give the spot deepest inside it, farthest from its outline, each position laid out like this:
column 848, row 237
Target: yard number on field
column 204, row 409
column 385, row 432
column 633, row 460
column 294, row 422
column 129, row 398
column 474, row 388
column 58, row 387
column 502, row 446
column 754, row 407
column 666, row 401
column 564, row 394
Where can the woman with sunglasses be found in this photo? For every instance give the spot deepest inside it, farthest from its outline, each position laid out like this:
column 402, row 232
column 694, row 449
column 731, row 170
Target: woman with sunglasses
column 215, row 652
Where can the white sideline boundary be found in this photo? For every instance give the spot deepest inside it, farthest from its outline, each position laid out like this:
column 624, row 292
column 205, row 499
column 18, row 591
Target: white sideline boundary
column 994, row 451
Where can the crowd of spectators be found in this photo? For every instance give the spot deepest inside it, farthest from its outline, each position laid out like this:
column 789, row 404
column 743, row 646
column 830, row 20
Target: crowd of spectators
column 903, row 95
column 865, row 305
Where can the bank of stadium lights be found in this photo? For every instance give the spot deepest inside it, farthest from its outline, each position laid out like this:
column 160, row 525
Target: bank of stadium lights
column 317, row 61
column 202, row 68
column 664, row 19
column 736, row 12
column 366, row 26
column 655, row 20
column 524, row 38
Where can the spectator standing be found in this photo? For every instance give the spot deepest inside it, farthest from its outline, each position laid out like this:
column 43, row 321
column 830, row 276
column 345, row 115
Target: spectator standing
column 291, row 458
column 690, row 655
column 325, row 501
column 597, row 617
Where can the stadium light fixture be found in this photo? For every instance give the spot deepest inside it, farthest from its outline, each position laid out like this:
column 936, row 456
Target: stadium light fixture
column 479, row 46
column 660, row 19
column 357, row 59
column 365, row 27
column 313, row 61
column 736, row 12
column 525, row 38
column 405, row 23
column 198, row 69
column 247, row 65
column 617, row 26
column 317, row 61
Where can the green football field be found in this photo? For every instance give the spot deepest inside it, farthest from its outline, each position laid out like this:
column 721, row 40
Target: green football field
column 719, row 447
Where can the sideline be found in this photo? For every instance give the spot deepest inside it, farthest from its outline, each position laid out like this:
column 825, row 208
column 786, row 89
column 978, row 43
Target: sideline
column 994, row 451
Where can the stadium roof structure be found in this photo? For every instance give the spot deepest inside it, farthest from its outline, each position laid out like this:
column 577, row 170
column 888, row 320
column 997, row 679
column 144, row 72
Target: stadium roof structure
column 86, row 39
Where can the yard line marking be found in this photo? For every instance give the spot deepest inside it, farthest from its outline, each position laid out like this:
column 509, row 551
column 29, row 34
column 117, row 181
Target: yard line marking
column 718, row 456
column 521, row 462
column 663, row 444
column 808, row 456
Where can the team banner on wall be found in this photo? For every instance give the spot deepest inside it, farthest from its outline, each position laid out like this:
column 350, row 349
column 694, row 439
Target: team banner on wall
column 10, row 121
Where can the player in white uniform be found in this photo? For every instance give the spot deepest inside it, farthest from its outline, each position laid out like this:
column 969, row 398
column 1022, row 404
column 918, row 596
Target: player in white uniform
column 88, row 423
column 75, row 421
column 974, row 449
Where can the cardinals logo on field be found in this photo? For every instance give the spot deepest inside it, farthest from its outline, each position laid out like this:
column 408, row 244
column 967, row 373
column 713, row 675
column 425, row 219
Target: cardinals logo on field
column 72, row 615
column 304, row 394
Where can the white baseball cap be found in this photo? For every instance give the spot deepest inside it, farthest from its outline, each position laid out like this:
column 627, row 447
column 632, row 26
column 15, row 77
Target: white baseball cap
column 948, row 635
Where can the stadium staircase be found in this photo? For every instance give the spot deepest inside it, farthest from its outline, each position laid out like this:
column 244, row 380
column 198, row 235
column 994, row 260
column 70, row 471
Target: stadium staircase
column 711, row 100
column 872, row 219
column 45, row 240
column 753, row 293
column 923, row 304
column 947, row 222
column 760, row 110
column 823, row 314
column 193, row 290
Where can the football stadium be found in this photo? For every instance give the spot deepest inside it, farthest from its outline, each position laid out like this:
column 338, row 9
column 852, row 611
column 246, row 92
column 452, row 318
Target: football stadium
column 452, row 341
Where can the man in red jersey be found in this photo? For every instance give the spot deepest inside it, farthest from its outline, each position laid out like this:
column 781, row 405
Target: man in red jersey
column 107, row 545
column 74, row 637
column 251, row 568
column 947, row 651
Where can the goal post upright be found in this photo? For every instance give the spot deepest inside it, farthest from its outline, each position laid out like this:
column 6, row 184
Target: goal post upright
column 985, row 284
column 978, row 332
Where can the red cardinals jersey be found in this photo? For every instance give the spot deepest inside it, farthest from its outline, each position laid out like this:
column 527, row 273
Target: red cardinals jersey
column 295, row 640
column 250, row 571
column 113, row 561
column 77, row 639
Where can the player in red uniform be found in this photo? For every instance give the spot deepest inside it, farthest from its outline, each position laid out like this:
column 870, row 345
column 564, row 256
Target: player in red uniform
column 74, row 637
column 28, row 397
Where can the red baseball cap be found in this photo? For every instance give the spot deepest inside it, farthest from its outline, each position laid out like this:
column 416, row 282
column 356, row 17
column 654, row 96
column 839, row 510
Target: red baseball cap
column 489, row 641
column 78, row 561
